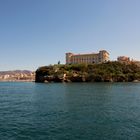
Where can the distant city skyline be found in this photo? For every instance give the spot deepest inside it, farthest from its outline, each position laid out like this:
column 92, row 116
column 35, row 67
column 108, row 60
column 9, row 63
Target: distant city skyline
column 39, row 32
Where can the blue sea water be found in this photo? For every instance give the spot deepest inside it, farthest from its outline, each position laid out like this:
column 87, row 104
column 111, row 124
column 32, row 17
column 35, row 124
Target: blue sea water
column 69, row 111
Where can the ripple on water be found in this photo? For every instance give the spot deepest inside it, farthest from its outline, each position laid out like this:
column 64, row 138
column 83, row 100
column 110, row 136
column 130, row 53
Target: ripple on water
column 99, row 111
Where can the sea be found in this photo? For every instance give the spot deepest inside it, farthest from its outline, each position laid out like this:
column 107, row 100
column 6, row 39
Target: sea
column 69, row 111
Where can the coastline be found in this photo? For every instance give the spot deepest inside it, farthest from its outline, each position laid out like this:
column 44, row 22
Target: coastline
column 17, row 80
column 105, row 72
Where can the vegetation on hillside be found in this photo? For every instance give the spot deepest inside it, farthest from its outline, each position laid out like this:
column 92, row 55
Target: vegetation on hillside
column 105, row 72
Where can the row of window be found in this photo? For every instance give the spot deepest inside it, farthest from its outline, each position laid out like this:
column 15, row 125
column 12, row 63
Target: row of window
column 84, row 59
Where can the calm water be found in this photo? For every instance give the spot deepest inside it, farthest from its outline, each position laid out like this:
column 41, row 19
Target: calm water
column 75, row 111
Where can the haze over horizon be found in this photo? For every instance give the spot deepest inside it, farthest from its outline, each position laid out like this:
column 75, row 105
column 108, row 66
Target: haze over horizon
column 35, row 33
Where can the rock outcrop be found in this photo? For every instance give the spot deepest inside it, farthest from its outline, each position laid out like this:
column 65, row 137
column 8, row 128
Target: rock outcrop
column 105, row 72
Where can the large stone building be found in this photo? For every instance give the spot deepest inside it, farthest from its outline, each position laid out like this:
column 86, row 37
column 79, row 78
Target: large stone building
column 102, row 56
column 123, row 59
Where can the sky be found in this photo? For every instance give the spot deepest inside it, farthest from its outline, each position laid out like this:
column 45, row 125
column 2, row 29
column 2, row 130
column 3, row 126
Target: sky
column 36, row 33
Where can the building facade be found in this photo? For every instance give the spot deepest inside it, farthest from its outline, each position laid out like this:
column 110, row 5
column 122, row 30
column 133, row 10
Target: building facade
column 101, row 57
column 123, row 59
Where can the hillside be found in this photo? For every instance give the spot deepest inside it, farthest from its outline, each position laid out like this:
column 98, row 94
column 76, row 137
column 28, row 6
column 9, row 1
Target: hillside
column 17, row 75
column 106, row 72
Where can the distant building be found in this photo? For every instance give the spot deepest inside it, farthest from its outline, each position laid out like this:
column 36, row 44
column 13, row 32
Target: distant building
column 6, row 76
column 123, row 59
column 102, row 56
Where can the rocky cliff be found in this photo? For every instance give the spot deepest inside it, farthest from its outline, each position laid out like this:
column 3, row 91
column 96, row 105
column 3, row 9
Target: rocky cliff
column 106, row 72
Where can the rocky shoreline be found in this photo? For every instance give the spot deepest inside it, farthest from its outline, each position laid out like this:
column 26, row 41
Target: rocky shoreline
column 105, row 72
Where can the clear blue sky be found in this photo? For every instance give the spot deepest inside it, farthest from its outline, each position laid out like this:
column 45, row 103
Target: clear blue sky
column 35, row 33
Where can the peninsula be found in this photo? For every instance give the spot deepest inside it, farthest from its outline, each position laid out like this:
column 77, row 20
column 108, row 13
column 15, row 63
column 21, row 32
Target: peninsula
column 102, row 72
column 91, row 67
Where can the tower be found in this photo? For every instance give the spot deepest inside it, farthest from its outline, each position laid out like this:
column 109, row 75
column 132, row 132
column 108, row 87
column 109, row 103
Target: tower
column 103, row 56
column 68, row 58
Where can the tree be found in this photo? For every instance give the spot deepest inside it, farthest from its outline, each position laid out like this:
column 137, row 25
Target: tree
column 58, row 62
